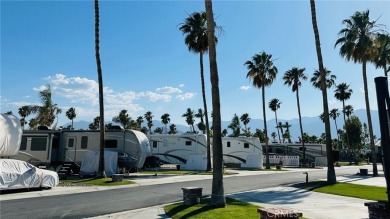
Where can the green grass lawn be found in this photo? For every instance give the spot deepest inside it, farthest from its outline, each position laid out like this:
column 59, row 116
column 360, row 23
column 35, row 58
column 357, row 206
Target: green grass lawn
column 234, row 209
column 348, row 189
column 93, row 182
column 176, row 172
column 347, row 163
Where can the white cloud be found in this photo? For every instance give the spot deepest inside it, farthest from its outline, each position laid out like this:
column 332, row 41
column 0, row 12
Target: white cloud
column 155, row 96
column 169, row 90
column 245, row 87
column 181, row 85
column 332, row 101
column 185, row 96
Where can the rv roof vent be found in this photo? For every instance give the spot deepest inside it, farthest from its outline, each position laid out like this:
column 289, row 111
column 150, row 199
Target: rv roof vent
column 43, row 127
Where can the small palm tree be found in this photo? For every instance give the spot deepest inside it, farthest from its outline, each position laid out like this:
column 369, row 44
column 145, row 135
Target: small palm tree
column 348, row 110
column 356, row 42
column 334, row 114
column 274, row 105
column 123, row 118
column 24, row 111
column 262, row 72
column 189, row 115
column 71, row 114
column 235, row 126
column 316, row 79
column 139, row 121
column 343, row 93
column 200, row 114
column 293, row 78
column 165, row 120
column 172, row 129
column 273, row 134
column 245, row 119
column 149, row 119
column 280, row 126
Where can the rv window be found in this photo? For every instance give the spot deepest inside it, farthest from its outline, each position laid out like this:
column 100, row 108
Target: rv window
column 84, row 142
column 110, row 143
column 70, row 142
column 155, row 144
column 246, row 145
column 228, row 144
column 23, row 144
column 188, row 143
column 38, row 144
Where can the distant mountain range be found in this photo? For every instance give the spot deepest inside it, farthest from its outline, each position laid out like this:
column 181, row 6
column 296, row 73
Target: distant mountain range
column 311, row 125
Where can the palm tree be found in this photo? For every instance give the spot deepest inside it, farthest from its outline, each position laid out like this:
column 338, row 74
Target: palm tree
column 287, row 126
column 71, row 114
column 274, row 105
column 334, row 114
column 95, row 124
column 123, row 118
column 195, row 30
column 316, row 79
column 217, row 191
column 172, row 129
column 149, row 119
column 293, row 78
column 273, row 134
column 139, row 121
column 381, row 56
column 224, row 132
column 356, row 42
column 348, row 110
column 189, row 115
column 165, row 120
column 280, row 126
column 245, row 119
column 200, row 114
column 262, row 72
column 24, row 111
column 235, row 126
column 343, row 93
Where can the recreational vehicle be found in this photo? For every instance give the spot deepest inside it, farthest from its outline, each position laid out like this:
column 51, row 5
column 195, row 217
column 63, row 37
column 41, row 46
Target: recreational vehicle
column 243, row 151
column 53, row 148
column 187, row 150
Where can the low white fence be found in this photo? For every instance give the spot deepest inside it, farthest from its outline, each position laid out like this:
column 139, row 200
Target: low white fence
column 286, row 160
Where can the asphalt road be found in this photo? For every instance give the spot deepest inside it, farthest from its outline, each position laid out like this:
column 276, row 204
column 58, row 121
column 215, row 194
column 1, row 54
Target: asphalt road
column 90, row 204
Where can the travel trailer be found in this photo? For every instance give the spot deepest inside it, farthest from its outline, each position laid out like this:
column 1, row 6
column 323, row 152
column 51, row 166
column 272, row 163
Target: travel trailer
column 189, row 151
column 55, row 148
column 243, row 151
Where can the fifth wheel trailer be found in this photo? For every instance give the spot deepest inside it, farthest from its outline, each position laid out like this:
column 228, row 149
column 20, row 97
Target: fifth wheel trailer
column 244, row 151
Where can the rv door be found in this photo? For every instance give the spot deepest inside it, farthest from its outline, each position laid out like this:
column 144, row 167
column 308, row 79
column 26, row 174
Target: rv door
column 71, row 149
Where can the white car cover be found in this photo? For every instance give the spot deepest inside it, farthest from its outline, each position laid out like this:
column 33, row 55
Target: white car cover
column 17, row 174
column 10, row 135
column 90, row 164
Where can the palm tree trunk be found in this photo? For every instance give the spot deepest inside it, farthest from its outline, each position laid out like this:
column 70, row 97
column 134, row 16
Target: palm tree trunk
column 276, row 120
column 208, row 168
column 335, row 123
column 217, row 192
column 384, row 68
column 300, row 126
column 267, row 164
column 331, row 174
column 101, row 171
column 372, row 146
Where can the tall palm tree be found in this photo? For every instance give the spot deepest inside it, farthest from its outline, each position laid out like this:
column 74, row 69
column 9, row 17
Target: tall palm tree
column 139, row 121
column 149, row 119
column 196, row 38
column 235, row 126
column 165, row 120
column 274, row 105
column 356, row 43
column 316, row 79
column 343, row 93
column 381, row 55
column 245, row 119
column 217, row 191
column 294, row 78
column 348, row 110
column 101, row 171
column 24, row 111
column 334, row 113
column 189, row 115
column 262, row 72
column 71, row 114
column 200, row 114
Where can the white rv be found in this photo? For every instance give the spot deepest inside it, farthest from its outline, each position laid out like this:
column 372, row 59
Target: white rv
column 244, row 151
column 52, row 148
column 187, row 150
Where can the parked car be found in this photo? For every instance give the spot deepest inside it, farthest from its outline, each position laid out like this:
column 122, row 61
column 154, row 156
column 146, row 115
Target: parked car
column 17, row 174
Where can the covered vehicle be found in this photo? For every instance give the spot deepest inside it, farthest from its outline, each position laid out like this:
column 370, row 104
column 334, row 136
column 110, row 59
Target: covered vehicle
column 17, row 174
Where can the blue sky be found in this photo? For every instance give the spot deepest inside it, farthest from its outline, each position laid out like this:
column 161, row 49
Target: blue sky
column 147, row 67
